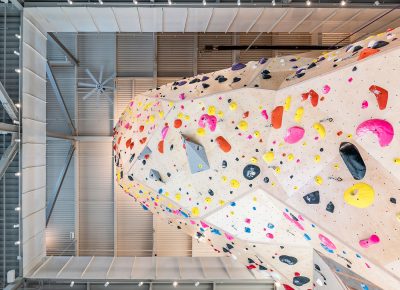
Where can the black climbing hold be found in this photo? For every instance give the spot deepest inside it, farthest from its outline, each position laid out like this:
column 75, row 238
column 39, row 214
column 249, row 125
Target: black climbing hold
column 379, row 44
column 330, row 207
column 300, row 280
column 204, row 78
column 311, row 65
column 288, row 260
column 354, row 68
column 130, row 178
column 205, row 86
column 299, row 75
column 356, row 48
column 220, row 79
column 236, row 79
column 266, row 74
column 317, row 267
column 211, row 192
column 196, row 80
column 251, row 261
column 251, row 171
column 261, row 267
column 353, row 160
column 224, row 164
column 312, row 197
column 393, row 200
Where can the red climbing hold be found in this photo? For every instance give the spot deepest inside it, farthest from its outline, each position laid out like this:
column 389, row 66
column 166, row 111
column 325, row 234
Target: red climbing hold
column 381, row 96
column 276, row 117
column 161, row 146
column 366, row 52
column 143, row 140
column 287, row 287
column 141, row 128
column 177, row 123
column 129, row 143
column 223, row 144
column 314, row 97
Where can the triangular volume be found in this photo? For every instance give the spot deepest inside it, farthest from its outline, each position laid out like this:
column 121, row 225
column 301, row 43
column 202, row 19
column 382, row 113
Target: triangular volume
column 145, row 153
column 155, row 175
column 324, row 277
column 350, row 279
column 197, row 157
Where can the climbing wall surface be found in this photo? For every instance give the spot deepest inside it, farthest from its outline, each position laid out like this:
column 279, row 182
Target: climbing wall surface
column 267, row 160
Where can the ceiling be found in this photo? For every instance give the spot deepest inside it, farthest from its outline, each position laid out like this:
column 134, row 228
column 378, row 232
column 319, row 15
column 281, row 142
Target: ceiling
column 142, row 19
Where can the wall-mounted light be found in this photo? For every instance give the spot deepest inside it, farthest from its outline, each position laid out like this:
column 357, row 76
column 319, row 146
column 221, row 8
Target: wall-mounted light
column 197, row 284
column 17, row 173
column 169, row 2
column 343, row 3
column 16, row 226
column 308, row 3
column 18, row 36
column 18, row 105
column 101, row 2
column 135, row 2
column 204, row 2
column 106, row 284
column 273, row 3
column 70, row 2
column 238, row 2
column 140, row 284
column 16, row 52
column 17, row 208
column 175, row 284
column 71, row 284
column 17, row 243
column 17, row 70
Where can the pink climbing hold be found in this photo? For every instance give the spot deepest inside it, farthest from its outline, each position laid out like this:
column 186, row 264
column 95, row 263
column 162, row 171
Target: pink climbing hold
column 295, row 222
column 182, row 96
column 326, row 89
column 364, row 105
column 381, row 128
column 294, row 134
column 229, row 237
column 209, row 120
column 327, row 242
column 203, row 224
column 373, row 239
column 264, row 114
column 164, row 132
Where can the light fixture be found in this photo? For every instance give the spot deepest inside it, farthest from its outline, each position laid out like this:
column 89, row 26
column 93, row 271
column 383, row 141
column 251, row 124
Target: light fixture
column 175, row 284
column 71, row 284
column 343, row 3
column 17, row 243
column 377, row 3
column 17, row 208
column 140, row 284
column 197, row 284
column 101, row 2
column 135, row 2
column 70, row 2
column 308, row 3
column 17, row 70
column 204, row 2
column 16, row 52
column 17, row 174
column 16, row 122
column 238, row 2
column 106, row 284
column 18, row 105
column 18, row 36
column 273, row 3
column 169, row 2
column 17, row 140
column 16, row 226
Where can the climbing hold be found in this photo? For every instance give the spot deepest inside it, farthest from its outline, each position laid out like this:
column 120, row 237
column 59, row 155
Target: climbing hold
column 233, row 106
column 299, row 114
column 234, row 183
column 269, row 156
column 197, row 157
column 146, row 152
column 312, row 197
column 155, row 175
column 396, row 160
column 330, row 207
column 195, row 211
column 327, row 242
column 381, row 128
column 353, row 160
column 360, row 195
column 243, row 125
column 318, row 180
column 223, row 144
column 264, row 114
column 238, row 66
column 381, row 95
column 276, row 117
column 251, row 171
column 201, row 131
column 177, row 123
column 398, row 216
column 209, row 120
column 300, row 280
column 320, row 129
column 366, row 52
column 373, row 239
column 378, row 44
column 287, row 103
column 294, row 134
column 326, row 89
column 288, row 260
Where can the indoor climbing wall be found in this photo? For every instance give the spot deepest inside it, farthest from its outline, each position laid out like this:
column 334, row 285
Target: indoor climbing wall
column 268, row 160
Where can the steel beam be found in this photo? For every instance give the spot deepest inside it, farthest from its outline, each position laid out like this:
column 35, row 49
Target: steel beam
column 8, row 128
column 59, row 97
column 8, row 157
column 65, row 50
column 8, row 104
column 51, row 203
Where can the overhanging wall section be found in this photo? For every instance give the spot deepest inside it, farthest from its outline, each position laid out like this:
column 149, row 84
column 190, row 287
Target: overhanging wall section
column 33, row 145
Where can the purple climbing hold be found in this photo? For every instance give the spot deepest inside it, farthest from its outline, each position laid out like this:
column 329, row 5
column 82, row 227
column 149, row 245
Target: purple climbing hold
column 262, row 60
column 204, row 78
column 238, row 66
column 181, row 83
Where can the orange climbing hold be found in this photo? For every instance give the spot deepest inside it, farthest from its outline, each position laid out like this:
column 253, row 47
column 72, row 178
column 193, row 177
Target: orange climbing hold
column 177, row 123
column 161, row 146
column 141, row 128
column 223, row 144
column 381, row 95
column 143, row 140
column 366, row 52
column 276, row 117
column 314, row 97
column 129, row 143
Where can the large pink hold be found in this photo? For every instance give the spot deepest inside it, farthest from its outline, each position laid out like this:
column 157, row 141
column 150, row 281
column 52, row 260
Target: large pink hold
column 210, row 120
column 373, row 239
column 294, row 134
column 164, row 132
column 382, row 129
column 327, row 242
column 264, row 114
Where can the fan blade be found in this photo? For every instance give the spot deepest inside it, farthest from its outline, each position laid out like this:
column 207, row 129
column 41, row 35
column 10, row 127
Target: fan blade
column 101, row 73
column 108, row 87
column 109, row 79
column 86, row 85
column 91, row 76
column 89, row 94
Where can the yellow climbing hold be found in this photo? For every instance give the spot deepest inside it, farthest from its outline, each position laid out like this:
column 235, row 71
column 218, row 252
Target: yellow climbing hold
column 178, row 196
column 269, row 156
column 151, row 119
column 187, row 117
column 318, row 180
column 290, row 157
column 220, row 114
column 180, row 115
column 243, row 125
column 320, row 129
column 161, row 114
column 201, row 131
column 235, row 183
column 396, row 160
column 195, row 211
column 398, row 216
column 256, row 134
column 233, row 106
column 336, row 166
column 208, row 199
column 299, row 114
column 288, row 101
column 278, row 170
column 317, row 158
column 253, row 160
column 211, row 110
column 221, row 202
column 224, row 178
column 360, row 195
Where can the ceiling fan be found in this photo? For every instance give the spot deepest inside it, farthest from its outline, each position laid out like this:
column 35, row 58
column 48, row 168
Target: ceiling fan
column 98, row 86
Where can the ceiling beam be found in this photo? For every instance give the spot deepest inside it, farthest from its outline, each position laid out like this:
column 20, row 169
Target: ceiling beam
column 8, row 104
column 277, row 21
column 8, row 157
column 324, row 21
column 302, row 20
column 64, row 49
column 344, row 23
column 255, row 20
column 59, row 97
column 57, row 188
column 233, row 20
column 209, row 20
column 8, row 128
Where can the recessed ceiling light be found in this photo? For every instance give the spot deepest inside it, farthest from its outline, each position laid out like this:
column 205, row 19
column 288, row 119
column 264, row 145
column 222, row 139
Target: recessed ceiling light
column 140, row 284
column 101, row 2
column 308, row 3
column 273, row 3
column 70, row 2
column 135, row 2
column 343, row 3
column 197, row 284
column 169, row 2
column 238, row 2
column 175, row 284
column 204, row 2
